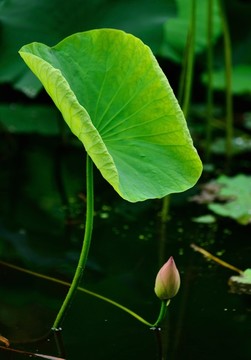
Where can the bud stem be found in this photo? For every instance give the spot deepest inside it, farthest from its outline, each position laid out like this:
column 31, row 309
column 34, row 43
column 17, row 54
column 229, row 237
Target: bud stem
column 162, row 313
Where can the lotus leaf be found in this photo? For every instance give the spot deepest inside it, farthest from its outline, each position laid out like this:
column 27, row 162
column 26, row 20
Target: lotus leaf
column 117, row 101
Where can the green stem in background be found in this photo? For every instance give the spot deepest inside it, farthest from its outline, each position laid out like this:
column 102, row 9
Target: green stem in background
column 188, row 64
column 228, row 80
column 163, row 224
column 184, row 95
column 92, row 293
column 210, row 79
column 86, row 245
column 182, row 76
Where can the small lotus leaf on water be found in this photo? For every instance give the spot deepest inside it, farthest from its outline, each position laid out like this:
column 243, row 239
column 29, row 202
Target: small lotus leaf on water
column 241, row 284
column 234, row 198
column 246, row 278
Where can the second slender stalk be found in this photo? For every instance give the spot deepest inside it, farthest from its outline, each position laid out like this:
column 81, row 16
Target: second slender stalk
column 85, row 248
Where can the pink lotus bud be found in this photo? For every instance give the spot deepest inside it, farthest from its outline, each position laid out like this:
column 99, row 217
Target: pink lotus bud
column 167, row 281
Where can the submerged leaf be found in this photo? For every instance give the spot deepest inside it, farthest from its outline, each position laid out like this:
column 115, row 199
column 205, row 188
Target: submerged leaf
column 117, row 101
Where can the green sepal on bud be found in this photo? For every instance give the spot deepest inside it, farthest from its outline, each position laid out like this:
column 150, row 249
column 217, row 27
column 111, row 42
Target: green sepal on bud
column 167, row 281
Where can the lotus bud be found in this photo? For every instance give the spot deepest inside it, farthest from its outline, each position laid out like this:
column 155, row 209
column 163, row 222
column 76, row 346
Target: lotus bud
column 167, row 281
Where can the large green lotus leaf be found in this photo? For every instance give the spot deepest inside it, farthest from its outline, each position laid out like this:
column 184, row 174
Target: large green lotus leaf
column 117, row 101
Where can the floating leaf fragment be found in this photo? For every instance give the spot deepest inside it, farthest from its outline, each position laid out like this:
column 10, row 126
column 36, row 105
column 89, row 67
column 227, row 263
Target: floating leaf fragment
column 241, row 284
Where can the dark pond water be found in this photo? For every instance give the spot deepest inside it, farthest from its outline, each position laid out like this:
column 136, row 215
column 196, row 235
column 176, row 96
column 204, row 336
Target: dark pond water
column 205, row 320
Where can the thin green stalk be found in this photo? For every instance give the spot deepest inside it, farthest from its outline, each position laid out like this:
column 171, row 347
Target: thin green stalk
column 92, row 293
column 163, row 223
column 162, row 313
column 210, row 79
column 190, row 61
column 86, row 245
column 182, row 79
column 228, row 81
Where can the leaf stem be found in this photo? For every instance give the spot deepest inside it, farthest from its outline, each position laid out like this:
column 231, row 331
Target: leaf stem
column 209, row 109
column 163, row 228
column 85, row 248
column 188, row 64
column 228, row 81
